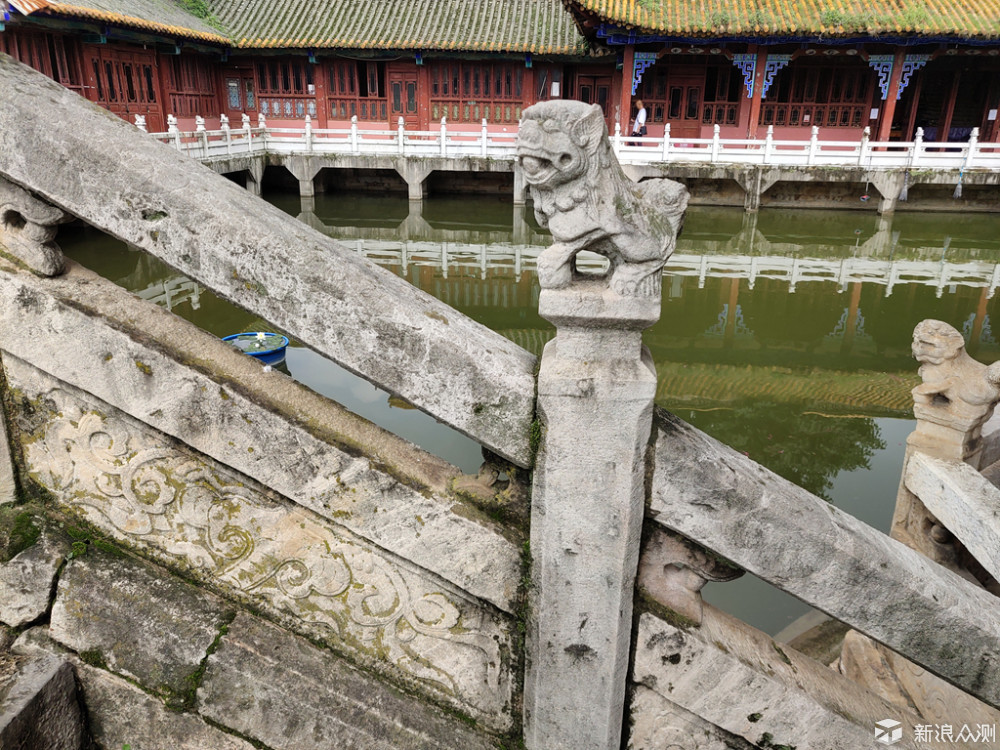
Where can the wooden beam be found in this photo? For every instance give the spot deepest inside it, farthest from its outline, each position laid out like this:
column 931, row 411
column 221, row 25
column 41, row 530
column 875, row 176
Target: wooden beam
column 792, row 539
column 119, row 180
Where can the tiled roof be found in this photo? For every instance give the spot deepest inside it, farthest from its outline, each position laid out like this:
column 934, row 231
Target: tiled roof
column 158, row 16
column 962, row 19
column 542, row 26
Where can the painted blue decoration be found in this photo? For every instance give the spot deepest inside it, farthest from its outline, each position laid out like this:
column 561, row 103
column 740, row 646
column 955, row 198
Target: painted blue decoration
column 642, row 62
column 747, row 62
column 882, row 64
column 269, row 348
column 771, row 67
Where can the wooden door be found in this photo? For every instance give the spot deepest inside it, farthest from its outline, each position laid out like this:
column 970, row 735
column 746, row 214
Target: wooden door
column 127, row 84
column 596, row 90
column 683, row 105
column 403, row 98
column 240, row 97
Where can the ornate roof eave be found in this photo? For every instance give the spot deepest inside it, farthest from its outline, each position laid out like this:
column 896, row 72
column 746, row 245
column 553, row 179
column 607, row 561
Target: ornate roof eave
column 65, row 10
column 614, row 35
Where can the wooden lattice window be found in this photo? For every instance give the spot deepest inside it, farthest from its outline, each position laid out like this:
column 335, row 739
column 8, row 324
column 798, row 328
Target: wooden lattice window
column 190, row 86
column 357, row 88
column 819, row 93
column 54, row 55
column 471, row 91
column 286, row 88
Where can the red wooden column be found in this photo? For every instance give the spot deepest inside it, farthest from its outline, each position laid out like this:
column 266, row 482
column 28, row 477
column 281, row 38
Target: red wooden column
column 758, row 92
column 628, row 70
column 889, row 105
column 321, row 80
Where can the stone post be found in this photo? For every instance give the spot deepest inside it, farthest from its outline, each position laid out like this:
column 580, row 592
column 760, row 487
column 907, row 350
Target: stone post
column 595, row 400
column 951, row 405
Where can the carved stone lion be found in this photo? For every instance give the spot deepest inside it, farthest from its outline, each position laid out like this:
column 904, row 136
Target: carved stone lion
column 588, row 203
column 956, row 388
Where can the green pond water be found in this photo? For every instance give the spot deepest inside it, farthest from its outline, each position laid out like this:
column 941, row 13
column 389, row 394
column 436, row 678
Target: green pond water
column 785, row 335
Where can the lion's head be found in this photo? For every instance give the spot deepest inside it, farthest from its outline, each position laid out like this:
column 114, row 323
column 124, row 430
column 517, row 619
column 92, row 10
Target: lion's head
column 558, row 140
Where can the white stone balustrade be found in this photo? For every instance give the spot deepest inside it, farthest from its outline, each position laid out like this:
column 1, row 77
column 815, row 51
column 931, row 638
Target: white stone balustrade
column 450, row 140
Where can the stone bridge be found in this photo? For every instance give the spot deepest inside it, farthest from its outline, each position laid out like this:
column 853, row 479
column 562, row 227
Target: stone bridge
column 200, row 552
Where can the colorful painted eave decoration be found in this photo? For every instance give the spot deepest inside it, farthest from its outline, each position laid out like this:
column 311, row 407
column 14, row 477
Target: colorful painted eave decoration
column 957, row 19
column 27, row 7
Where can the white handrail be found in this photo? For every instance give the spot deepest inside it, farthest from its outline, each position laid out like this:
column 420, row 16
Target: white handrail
column 457, row 142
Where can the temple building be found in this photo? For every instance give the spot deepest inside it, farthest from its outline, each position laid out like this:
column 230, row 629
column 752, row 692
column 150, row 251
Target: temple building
column 792, row 65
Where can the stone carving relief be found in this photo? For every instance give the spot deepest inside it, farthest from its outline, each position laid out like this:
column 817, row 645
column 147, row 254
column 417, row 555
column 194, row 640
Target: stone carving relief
column 673, row 571
column 28, row 227
column 588, row 203
column 137, row 486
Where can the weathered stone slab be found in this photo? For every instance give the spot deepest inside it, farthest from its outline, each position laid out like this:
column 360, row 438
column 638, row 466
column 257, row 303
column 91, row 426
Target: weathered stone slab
column 69, row 151
column 8, row 487
column 963, row 500
column 825, row 557
column 262, row 424
column 121, row 714
column 137, row 620
column 320, row 580
column 284, row 692
column 739, row 680
column 26, row 582
column 659, row 724
column 39, row 707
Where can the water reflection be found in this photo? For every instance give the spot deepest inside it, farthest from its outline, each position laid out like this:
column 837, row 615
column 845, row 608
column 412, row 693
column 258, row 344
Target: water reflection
column 786, row 335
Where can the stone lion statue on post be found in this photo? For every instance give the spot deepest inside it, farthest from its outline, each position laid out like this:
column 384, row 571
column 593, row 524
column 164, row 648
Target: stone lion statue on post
column 588, row 203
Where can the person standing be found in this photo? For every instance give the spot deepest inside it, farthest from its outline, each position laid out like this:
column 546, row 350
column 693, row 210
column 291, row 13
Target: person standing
column 639, row 124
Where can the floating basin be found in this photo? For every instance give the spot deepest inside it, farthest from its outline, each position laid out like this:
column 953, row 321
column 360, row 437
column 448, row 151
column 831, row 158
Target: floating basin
column 269, row 348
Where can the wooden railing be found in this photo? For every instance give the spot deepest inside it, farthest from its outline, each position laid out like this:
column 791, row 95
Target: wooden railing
column 450, row 142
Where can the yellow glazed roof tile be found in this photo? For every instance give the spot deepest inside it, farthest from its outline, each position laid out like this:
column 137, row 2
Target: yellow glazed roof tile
column 969, row 19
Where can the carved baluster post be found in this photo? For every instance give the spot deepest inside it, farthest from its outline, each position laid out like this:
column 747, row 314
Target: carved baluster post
column 484, row 139
column 308, row 134
column 140, row 123
column 954, row 401
column 918, row 147
column 226, row 133
column 813, row 144
column 245, row 120
column 401, row 137
column 262, row 127
column 355, row 147
column 865, row 150
column 444, row 136
column 199, row 128
column 173, row 129
column 769, row 144
column 595, row 399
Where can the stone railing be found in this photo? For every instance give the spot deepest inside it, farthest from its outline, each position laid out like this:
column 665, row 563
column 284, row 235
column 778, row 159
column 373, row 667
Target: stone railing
column 455, row 142
column 292, row 519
